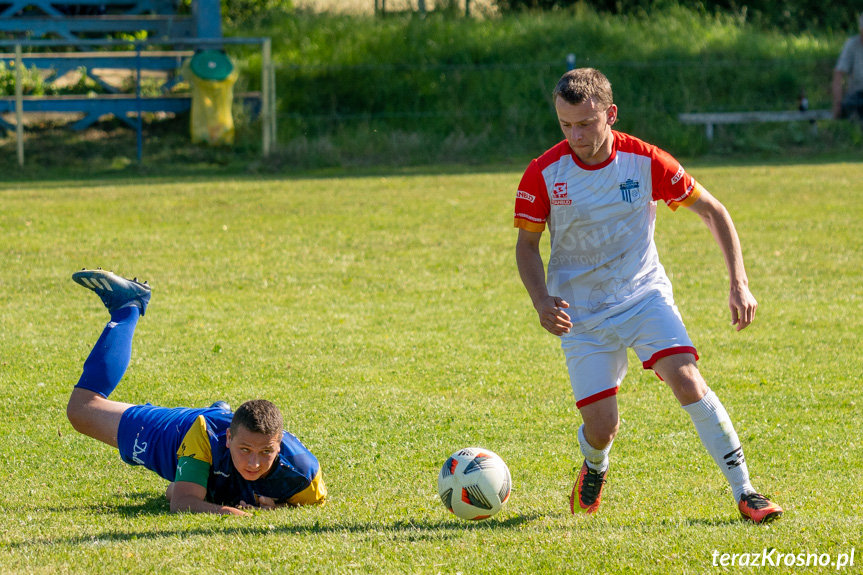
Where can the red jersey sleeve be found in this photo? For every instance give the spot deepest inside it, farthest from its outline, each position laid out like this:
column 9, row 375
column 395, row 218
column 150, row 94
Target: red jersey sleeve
column 532, row 206
column 671, row 183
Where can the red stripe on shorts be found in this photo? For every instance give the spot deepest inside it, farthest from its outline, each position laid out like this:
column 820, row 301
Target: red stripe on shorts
column 596, row 397
column 670, row 351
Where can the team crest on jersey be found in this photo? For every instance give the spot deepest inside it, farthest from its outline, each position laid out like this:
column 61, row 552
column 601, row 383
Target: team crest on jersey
column 560, row 195
column 630, row 191
column 559, row 190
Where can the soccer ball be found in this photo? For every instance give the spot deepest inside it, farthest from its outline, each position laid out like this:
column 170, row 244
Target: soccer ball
column 474, row 483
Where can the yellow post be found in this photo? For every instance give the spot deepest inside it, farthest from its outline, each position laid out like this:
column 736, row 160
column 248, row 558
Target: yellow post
column 19, row 104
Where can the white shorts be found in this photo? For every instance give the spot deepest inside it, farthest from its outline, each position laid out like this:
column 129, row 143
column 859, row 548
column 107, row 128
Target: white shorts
column 596, row 359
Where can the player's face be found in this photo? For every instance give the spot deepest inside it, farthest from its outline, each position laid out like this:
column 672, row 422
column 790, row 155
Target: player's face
column 587, row 128
column 253, row 453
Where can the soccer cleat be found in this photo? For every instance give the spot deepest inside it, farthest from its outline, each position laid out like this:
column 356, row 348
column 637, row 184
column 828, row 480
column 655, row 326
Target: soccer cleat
column 223, row 405
column 114, row 291
column 759, row 509
column 587, row 491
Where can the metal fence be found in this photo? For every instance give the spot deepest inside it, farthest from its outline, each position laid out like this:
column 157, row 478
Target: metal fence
column 138, row 105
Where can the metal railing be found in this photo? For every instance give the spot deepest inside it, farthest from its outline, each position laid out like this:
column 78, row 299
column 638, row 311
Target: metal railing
column 268, row 84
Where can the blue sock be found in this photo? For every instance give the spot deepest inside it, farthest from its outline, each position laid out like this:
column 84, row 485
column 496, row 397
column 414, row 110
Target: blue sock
column 110, row 357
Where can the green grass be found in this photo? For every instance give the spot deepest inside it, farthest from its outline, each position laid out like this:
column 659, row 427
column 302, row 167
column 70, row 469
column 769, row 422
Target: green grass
column 384, row 314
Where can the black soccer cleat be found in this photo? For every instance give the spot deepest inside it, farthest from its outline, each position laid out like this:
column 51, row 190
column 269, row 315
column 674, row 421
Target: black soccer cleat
column 114, row 291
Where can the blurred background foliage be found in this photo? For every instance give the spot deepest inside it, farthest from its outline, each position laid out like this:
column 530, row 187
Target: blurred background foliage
column 399, row 87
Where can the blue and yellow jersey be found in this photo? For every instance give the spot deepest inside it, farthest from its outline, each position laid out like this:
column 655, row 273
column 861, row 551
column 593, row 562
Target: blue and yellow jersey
column 186, row 444
column 203, row 458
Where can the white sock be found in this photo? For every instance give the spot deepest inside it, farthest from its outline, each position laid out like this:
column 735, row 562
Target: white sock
column 718, row 436
column 597, row 459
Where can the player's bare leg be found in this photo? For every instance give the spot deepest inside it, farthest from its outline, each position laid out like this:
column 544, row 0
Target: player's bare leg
column 595, row 436
column 93, row 415
column 601, row 422
column 89, row 410
column 716, row 431
column 681, row 374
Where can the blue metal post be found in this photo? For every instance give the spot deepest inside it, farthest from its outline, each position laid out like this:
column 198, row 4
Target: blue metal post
column 208, row 18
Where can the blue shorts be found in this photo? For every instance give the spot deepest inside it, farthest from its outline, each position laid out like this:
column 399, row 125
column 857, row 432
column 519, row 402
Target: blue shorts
column 596, row 359
column 149, row 435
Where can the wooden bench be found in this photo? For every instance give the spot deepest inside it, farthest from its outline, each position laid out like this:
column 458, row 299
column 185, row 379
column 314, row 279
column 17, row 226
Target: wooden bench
column 711, row 119
column 120, row 106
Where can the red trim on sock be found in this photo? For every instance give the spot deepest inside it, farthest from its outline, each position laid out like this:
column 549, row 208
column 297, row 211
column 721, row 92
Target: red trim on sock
column 596, row 397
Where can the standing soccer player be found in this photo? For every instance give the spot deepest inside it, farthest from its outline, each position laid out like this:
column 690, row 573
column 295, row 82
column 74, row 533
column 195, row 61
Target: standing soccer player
column 606, row 290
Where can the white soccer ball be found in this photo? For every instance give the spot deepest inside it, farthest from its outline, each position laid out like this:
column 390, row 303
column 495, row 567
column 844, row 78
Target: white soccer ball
column 474, row 483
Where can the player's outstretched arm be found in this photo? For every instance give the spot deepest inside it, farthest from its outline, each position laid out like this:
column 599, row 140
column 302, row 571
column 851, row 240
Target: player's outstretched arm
column 530, row 268
column 188, row 496
column 717, row 219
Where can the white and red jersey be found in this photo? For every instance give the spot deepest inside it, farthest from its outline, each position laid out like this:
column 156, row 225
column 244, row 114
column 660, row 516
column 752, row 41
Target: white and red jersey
column 601, row 219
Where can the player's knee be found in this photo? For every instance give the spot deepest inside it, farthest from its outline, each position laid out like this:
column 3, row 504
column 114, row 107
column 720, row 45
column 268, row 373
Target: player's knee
column 79, row 409
column 688, row 388
column 601, row 422
column 75, row 414
column 600, row 433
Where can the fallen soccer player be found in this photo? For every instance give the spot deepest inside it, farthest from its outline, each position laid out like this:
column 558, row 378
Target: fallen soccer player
column 217, row 461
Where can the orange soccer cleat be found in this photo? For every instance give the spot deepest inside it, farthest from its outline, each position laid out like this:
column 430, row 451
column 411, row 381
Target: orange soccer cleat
column 587, row 491
column 759, row 509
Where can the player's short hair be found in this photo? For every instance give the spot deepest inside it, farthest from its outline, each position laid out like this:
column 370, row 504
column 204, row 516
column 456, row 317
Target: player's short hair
column 258, row 416
column 580, row 85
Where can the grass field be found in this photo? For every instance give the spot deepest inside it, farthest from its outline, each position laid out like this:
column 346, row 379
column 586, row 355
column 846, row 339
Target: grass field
column 384, row 314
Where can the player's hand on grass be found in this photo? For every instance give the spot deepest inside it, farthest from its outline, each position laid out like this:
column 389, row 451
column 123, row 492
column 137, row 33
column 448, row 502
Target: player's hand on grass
column 264, row 502
column 551, row 315
column 743, row 306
